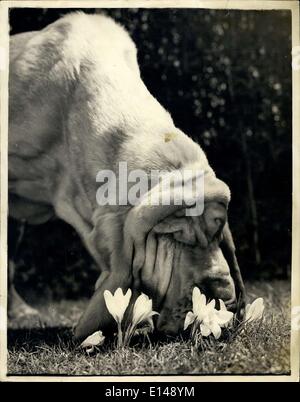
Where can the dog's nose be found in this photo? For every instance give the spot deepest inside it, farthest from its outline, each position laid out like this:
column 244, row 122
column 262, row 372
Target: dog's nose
column 168, row 326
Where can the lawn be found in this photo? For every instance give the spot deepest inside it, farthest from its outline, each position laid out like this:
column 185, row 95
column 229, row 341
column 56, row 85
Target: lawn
column 47, row 347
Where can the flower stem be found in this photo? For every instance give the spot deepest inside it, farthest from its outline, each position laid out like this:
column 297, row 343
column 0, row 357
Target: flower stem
column 127, row 335
column 194, row 330
column 120, row 336
column 129, row 332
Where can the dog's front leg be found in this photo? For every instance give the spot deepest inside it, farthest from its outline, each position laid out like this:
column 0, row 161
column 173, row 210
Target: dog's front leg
column 17, row 307
column 96, row 316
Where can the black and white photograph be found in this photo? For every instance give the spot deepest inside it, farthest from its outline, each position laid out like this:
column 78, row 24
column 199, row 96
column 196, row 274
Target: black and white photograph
column 148, row 190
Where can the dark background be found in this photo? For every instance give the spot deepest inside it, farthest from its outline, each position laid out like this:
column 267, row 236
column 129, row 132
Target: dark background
column 225, row 77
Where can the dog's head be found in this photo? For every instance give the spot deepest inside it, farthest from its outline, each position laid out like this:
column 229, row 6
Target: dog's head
column 166, row 250
column 173, row 250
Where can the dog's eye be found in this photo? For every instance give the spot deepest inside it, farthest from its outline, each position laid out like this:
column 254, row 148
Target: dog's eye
column 184, row 240
column 223, row 204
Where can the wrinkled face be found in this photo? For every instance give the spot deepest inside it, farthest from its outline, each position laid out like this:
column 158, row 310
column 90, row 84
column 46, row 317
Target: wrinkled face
column 177, row 261
column 174, row 252
column 193, row 266
column 164, row 252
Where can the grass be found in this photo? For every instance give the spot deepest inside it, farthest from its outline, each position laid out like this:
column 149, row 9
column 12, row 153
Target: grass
column 48, row 348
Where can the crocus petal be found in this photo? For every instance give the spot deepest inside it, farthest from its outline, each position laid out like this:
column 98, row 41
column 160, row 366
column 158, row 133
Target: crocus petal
column 211, row 305
column 118, row 294
column 196, row 295
column 122, row 299
column 223, row 317
column 96, row 339
column 215, row 329
column 111, row 306
column 117, row 304
column 127, row 296
column 202, row 300
column 199, row 304
column 247, row 310
column 222, row 305
column 255, row 310
column 196, row 292
column 142, row 309
column 205, row 330
column 189, row 319
column 198, row 298
column 124, row 302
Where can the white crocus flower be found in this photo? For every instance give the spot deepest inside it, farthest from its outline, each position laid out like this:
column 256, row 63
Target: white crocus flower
column 142, row 314
column 200, row 309
column 142, row 311
column 96, row 339
column 206, row 316
column 224, row 317
column 117, row 303
column 255, row 310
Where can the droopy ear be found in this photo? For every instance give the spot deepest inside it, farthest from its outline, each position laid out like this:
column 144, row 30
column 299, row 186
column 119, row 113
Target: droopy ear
column 117, row 272
column 228, row 249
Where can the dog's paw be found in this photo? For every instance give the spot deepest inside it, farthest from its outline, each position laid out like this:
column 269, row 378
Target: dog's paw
column 24, row 316
column 23, row 310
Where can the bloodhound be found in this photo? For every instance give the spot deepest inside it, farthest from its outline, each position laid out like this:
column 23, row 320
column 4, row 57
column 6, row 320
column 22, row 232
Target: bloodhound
column 77, row 106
